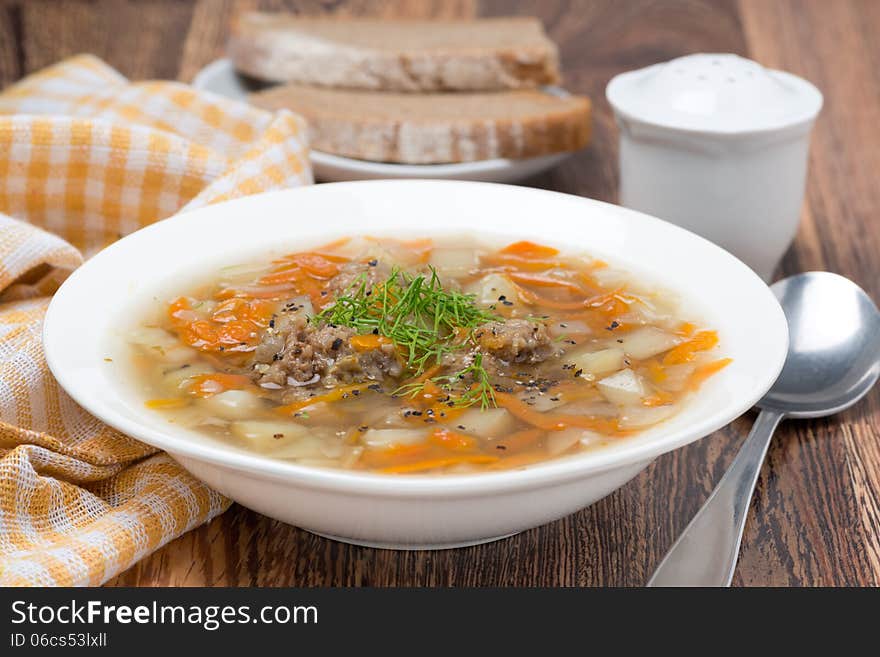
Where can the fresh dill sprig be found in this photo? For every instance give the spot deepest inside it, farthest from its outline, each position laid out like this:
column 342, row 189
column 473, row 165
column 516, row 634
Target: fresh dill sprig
column 425, row 320
column 480, row 391
column 414, row 310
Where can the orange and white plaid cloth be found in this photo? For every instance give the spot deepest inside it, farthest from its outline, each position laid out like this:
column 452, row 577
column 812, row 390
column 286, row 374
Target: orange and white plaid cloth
column 86, row 157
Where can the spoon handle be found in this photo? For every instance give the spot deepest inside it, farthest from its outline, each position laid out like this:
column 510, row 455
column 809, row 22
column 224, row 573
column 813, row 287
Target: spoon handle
column 706, row 552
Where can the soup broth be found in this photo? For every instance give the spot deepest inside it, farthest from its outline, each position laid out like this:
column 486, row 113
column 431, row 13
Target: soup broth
column 421, row 357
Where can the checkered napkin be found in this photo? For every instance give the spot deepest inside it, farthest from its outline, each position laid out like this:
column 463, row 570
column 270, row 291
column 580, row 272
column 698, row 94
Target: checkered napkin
column 86, row 157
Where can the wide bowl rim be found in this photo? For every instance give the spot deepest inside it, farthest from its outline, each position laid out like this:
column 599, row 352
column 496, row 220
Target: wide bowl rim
column 547, row 473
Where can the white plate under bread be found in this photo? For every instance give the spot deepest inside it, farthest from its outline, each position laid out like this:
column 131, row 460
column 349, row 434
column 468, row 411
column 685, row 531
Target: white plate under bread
column 221, row 78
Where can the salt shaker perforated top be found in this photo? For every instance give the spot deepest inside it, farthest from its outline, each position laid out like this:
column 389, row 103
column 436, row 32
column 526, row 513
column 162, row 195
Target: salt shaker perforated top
column 717, row 144
column 717, row 93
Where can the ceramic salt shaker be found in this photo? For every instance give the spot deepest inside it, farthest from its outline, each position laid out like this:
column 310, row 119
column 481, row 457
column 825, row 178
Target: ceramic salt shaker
column 718, row 145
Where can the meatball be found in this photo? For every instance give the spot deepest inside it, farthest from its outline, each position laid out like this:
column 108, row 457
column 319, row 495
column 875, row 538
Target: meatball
column 515, row 341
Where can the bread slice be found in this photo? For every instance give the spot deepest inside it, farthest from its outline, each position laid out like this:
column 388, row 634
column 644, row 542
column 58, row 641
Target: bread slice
column 434, row 127
column 395, row 55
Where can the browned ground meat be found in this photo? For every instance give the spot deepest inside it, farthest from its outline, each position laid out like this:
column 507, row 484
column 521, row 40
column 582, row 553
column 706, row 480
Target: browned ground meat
column 295, row 352
column 299, row 356
column 350, row 274
column 515, row 341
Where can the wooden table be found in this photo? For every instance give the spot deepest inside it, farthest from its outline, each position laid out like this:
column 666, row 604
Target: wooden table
column 816, row 515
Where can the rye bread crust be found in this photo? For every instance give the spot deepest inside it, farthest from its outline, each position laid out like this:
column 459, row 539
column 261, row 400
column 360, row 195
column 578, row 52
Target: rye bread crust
column 301, row 50
column 435, row 128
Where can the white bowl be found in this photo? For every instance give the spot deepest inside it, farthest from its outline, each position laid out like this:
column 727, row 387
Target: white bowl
column 221, row 78
column 417, row 511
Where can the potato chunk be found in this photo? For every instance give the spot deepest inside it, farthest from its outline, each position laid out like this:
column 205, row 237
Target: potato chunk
column 280, row 439
column 488, row 423
column 490, row 289
column 232, row 404
column 623, row 388
column 596, row 364
column 453, row 262
column 648, row 341
column 384, row 438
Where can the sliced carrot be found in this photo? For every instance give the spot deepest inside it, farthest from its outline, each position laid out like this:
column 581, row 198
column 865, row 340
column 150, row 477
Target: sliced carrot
column 613, row 307
column 596, row 302
column 606, row 297
column 703, row 372
column 394, row 455
column 161, row 404
column 402, row 451
column 600, row 424
column 405, row 450
column 424, row 376
column 589, row 281
column 200, row 334
column 207, row 385
column 568, row 392
column 280, row 291
column 314, row 260
column 443, row 462
column 337, row 394
column 234, row 327
column 658, row 398
column 332, row 246
column 656, row 371
column 426, row 390
column 430, row 392
column 453, row 440
column 296, row 273
column 687, row 351
column 527, row 249
column 234, row 336
column 292, row 259
column 506, row 263
column 368, row 342
column 433, row 399
column 533, row 299
column 526, row 413
column 180, row 311
column 608, row 310
column 259, row 311
column 551, row 421
column 546, row 281
column 237, row 334
column 686, row 329
column 320, row 264
column 520, row 439
column 519, row 460
column 421, row 247
column 292, row 274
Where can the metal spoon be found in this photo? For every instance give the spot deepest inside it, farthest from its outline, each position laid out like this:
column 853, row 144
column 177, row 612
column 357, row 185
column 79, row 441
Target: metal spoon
column 833, row 361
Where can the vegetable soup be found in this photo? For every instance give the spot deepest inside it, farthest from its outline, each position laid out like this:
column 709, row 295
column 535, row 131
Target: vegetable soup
column 421, row 356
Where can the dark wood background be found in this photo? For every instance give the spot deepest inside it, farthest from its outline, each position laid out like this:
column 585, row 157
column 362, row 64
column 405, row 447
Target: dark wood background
column 816, row 516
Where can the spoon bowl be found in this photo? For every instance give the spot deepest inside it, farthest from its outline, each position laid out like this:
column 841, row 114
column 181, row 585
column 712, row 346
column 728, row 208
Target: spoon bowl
column 833, row 361
column 834, row 346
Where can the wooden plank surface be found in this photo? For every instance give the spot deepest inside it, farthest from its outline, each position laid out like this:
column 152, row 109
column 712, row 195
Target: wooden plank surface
column 816, row 516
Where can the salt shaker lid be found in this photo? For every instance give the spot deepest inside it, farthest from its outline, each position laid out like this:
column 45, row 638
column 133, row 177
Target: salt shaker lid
column 717, row 93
